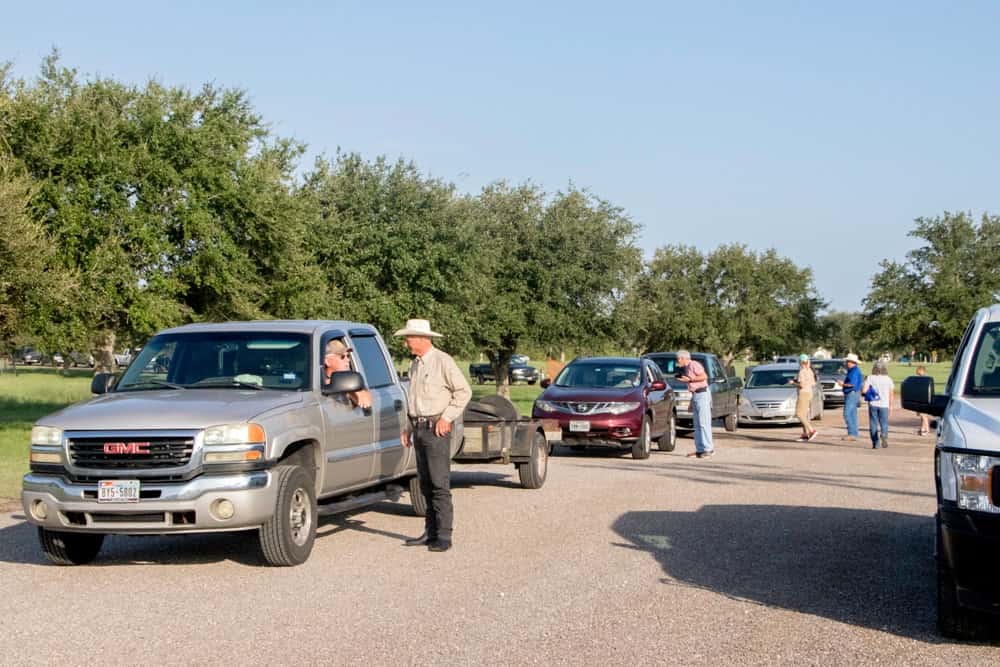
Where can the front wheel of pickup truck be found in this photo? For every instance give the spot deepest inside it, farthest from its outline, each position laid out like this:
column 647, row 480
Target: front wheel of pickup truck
column 69, row 548
column 417, row 500
column 287, row 537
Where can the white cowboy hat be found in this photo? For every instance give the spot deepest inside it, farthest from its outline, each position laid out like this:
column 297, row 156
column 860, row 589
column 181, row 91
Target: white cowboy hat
column 417, row 328
column 852, row 357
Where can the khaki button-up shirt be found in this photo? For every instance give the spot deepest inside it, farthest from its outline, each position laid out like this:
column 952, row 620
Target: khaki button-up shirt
column 437, row 387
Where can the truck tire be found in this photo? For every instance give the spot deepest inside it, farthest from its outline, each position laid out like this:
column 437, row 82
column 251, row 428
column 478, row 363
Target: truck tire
column 819, row 414
column 417, row 500
column 480, row 379
column 668, row 441
column 732, row 421
column 641, row 447
column 69, row 548
column 955, row 621
column 533, row 473
column 287, row 537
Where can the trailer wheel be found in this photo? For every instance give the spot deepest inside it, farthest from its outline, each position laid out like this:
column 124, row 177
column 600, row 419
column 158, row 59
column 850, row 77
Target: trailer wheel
column 533, row 472
column 69, row 548
column 287, row 537
column 417, row 500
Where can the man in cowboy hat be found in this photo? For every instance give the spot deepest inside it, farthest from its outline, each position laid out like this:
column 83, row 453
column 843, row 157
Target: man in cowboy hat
column 438, row 395
column 852, row 396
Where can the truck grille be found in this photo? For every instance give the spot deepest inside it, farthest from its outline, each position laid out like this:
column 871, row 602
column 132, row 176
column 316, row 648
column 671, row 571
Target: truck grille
column 137, row 452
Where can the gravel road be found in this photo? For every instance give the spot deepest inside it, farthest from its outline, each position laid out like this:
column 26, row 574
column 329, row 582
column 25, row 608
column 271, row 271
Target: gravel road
column 772, row 552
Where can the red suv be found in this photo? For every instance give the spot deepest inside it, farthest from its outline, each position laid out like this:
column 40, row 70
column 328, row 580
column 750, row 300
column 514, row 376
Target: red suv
column 611, row 402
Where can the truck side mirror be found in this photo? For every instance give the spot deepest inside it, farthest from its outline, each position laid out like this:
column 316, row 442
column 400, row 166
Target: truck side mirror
column 343, row 381
column 102, row 383
column 918, row 395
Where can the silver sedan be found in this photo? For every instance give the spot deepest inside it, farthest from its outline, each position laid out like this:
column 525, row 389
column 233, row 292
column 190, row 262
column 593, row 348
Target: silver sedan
column 769, row 397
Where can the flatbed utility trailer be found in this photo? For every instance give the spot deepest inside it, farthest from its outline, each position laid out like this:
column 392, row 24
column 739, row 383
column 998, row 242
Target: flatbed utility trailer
column 494, row 432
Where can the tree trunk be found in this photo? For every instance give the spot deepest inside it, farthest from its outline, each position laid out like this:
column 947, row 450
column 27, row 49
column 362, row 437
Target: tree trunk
column 104, row 352
column 499, row 362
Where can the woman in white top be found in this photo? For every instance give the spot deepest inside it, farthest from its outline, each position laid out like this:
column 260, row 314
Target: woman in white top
column 878, row 409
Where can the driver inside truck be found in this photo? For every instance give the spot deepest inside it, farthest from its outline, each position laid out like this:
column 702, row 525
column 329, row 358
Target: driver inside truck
column 337, row 358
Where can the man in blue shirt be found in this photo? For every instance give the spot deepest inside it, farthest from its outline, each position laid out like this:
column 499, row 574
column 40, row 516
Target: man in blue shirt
column 852, row 396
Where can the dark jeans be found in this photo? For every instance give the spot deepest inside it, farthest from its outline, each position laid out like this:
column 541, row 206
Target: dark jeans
column 434, row 468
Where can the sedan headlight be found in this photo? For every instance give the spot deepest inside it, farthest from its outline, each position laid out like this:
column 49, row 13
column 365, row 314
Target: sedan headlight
column 967, row 479
column 545, row 406
column 621, row 408
column 234, row 434
column 46, row 435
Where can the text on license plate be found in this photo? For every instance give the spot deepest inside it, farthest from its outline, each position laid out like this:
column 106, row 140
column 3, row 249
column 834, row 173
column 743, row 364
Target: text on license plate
column 118, row 491
column 579, row 425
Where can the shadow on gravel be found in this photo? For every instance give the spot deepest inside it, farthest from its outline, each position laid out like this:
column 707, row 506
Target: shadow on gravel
column 866, row 568
column 715, row 472
column 470, row 479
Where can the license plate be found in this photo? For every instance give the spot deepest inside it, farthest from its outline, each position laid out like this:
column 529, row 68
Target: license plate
column 118, row 491
column 581, row 426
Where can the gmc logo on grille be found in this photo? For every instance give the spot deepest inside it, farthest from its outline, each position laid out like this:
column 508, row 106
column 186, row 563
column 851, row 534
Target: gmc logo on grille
column 126, row 448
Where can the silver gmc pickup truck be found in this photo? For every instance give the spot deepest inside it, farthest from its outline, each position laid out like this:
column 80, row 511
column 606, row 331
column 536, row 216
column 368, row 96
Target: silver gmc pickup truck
column 222, row 427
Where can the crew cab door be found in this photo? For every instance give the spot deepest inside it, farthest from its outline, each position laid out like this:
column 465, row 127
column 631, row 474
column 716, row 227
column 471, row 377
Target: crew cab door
column 657, row 398
column 349, row 431
column 388, row 404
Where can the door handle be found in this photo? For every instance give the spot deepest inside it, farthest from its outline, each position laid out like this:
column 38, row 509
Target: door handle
column 398, row 404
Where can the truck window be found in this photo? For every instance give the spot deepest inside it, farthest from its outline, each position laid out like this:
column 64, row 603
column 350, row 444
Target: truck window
column 957, row 361
column 376, row 368
column 984, row 377
column 717, row 371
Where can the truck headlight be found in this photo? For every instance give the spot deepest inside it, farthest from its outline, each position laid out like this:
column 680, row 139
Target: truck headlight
column 46, row 435
column 968, row 480
column 234, row 434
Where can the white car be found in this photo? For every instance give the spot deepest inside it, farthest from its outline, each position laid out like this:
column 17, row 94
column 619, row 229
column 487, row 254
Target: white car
column 769, row 397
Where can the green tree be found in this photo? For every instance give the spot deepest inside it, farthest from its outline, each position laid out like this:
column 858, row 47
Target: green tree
column 925, row 302
column 547, row 273
column 728, row 301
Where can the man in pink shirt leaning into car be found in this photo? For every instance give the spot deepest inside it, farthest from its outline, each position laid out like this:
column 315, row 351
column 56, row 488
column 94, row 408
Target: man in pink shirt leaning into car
column 693, row 374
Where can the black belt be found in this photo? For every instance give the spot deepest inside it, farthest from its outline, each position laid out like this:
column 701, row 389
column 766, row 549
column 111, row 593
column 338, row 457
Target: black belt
column 425, row 421
column 700, row 391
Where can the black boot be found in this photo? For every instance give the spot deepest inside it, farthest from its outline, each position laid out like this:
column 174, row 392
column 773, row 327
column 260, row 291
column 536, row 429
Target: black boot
column 418, row 541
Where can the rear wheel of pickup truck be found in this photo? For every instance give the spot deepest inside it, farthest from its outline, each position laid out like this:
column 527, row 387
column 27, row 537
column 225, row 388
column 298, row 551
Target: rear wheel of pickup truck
column 287, row 537
column 642, row 445
column 70, row 548
column 533, row 473
column 668, row 441
column 417, row 500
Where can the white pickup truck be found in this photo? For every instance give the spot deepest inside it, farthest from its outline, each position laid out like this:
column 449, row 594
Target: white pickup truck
column 967, row 463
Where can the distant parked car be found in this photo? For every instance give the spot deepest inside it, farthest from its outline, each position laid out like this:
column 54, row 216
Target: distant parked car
column 81, row 359
column 28, row 356
column 124, row 358
column 516, row 372
column 768, row 397
column 829, row 372
column 616, row 402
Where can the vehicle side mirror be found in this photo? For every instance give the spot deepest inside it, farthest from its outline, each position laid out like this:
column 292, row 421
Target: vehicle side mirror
column 918, row 395
column 102, row 383
column 544, row 384
column 658, row 385
column 719, row 380
column 343, row 381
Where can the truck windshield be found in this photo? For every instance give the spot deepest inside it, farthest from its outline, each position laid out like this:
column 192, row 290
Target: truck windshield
column 984, row 374
column 599, row 375
column 208, row 359
column 829, row 366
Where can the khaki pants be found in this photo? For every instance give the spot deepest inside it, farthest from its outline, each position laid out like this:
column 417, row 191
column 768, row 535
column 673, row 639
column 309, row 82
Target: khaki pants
column 802, row 410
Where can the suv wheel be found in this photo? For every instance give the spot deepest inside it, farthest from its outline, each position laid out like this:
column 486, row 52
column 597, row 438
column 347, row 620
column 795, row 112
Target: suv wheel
column 668, row 441
column 69, row 548
column 532, row 473
column 287, row 537
column 417, row 500
column 641, row 447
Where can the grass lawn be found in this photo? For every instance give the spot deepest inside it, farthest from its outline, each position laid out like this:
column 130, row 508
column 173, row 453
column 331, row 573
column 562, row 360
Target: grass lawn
column 23, row 399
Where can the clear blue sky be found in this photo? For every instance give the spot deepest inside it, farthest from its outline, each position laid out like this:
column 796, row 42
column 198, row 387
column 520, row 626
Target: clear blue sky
column 819, row 129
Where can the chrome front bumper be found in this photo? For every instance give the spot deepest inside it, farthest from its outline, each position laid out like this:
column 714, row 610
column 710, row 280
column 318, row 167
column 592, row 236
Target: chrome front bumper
column 178, row 508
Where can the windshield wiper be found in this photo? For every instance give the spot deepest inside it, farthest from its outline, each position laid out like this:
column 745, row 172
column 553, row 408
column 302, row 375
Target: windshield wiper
column 227, row 384
column 151, row 384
